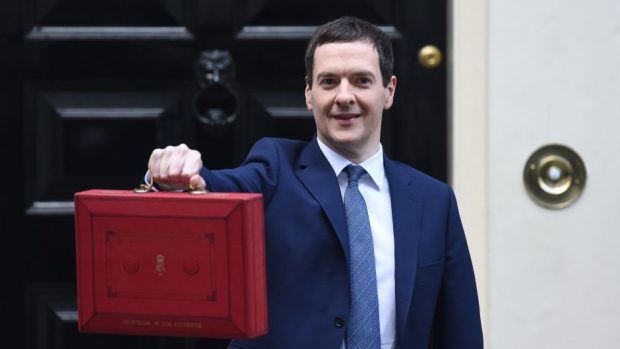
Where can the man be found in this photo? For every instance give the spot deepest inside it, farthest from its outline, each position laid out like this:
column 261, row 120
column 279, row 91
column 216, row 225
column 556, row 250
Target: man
column 388, row 268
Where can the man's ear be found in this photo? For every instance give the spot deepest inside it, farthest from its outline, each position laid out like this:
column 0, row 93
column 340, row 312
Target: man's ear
column 390, row 90
column 307, row 92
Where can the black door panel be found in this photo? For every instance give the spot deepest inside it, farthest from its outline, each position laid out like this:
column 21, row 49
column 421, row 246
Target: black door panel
column 89, row 87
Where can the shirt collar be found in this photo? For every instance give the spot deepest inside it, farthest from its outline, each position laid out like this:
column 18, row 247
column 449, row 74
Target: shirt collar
column 373, row 165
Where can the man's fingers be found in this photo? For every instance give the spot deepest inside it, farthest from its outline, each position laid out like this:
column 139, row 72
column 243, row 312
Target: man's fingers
column 154, row 162
column 176, row 163
column 174, row 166
column 164, row 163
column 192, row 163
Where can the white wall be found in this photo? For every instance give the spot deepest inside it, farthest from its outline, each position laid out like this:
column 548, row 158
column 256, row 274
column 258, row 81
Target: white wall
column 551, row 279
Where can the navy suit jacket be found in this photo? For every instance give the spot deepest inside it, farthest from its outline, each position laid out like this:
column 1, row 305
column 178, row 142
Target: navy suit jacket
column 307, row 252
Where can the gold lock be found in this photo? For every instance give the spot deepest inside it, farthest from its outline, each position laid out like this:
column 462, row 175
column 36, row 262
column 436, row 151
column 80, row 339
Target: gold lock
column 430, row 57
column 145, row 188
column 554, row 176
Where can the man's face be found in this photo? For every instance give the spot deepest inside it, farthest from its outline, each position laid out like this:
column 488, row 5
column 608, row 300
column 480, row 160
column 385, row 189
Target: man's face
column 347, row 98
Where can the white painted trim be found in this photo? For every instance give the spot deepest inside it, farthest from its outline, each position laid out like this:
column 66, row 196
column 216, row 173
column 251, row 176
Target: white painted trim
column 468, row 136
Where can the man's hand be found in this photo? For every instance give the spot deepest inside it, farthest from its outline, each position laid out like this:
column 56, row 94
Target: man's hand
column 176, row 168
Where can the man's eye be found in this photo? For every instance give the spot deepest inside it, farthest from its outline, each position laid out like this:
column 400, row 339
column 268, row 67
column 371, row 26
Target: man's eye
column 327, row 82
column 364, row 81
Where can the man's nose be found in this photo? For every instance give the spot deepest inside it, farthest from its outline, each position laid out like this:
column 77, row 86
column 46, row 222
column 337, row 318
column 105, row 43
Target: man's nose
column 345, row 95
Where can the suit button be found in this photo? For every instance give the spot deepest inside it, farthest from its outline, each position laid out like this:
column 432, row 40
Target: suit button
column 339, row 322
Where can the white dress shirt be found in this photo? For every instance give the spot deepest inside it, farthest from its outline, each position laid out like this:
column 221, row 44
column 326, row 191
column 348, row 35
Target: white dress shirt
column 376, row 192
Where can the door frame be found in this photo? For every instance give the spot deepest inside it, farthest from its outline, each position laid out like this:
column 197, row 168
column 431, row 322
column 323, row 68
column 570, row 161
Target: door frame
column 468, row 161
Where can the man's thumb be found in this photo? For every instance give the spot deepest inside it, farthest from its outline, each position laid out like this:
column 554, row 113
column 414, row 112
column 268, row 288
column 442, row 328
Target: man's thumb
column 197, row 182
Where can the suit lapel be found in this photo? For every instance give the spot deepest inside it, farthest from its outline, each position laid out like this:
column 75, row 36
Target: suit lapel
column 406, row 215
column 318, row 176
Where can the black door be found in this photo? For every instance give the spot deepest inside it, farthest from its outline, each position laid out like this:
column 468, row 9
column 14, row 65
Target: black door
column 89, row 87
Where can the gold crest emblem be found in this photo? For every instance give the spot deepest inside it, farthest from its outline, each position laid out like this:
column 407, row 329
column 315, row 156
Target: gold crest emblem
column 159, row 266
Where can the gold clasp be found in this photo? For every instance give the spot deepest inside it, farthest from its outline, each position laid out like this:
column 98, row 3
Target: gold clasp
column 145, row 188
column 198, row 191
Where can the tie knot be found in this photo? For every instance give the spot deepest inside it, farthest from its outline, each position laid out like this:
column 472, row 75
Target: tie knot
column 355, row 172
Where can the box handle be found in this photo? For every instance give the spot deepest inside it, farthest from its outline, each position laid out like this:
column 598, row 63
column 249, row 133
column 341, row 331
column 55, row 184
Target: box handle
column 147, row 188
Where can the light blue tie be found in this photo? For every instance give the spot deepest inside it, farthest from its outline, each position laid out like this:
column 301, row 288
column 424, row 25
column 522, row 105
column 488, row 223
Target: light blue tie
column 363, row 328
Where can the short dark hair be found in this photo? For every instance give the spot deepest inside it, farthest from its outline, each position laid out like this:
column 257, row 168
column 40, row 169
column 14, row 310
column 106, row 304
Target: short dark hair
column 349, row 29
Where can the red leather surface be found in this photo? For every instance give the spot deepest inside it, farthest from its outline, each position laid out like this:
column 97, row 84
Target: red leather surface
column 172, row 264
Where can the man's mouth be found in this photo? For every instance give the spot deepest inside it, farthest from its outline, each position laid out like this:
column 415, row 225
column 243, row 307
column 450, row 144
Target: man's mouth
column 345, row 116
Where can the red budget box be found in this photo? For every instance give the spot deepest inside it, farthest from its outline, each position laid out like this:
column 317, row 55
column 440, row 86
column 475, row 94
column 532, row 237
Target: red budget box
column 172, row 264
